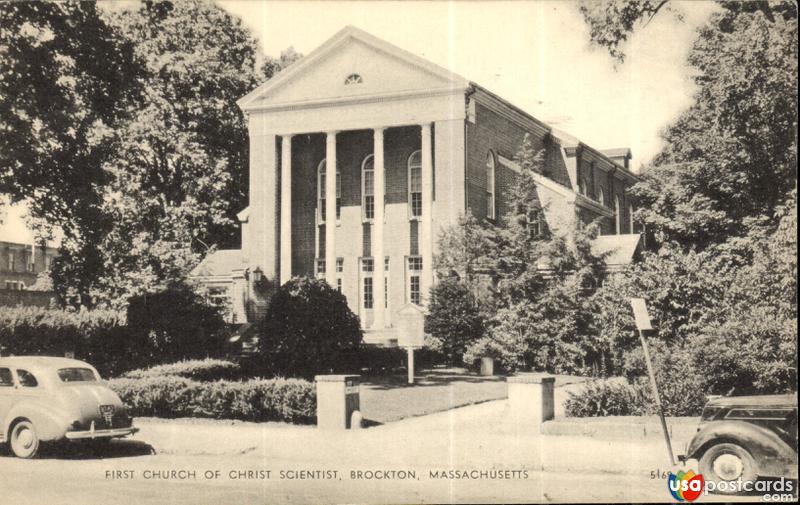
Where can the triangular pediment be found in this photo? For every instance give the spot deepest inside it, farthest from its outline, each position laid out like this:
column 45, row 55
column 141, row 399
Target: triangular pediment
column 351, row 64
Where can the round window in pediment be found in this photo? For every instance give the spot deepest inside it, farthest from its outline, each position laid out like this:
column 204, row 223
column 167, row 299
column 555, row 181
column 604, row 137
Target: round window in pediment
column 353, row 79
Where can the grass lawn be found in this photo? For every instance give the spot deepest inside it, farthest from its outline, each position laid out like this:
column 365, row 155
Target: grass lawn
column 390, row 398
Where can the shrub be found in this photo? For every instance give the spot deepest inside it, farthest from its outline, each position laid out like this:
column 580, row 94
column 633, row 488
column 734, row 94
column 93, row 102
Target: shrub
column 259, row 400
column 607, row 398
column 99, row 337
column 178, row 324
column 199, row 370
column 681, row 390
column 454, row 320
column 308, row 329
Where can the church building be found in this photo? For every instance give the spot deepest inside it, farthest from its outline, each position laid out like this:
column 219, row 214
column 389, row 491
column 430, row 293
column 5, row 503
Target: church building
column 361, row 152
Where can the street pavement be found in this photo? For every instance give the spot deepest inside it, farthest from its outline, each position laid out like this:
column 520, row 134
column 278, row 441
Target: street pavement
column 472, row 454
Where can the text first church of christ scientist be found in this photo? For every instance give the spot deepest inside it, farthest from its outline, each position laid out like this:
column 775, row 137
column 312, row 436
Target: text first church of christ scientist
column 360, row 153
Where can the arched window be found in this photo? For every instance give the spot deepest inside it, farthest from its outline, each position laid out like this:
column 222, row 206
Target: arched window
column 630, row 216
column 490, row 194
column 415, row 184
column 618, row 214
column 353, row 79
column 321, row 193
column 583, row 186
column 601, row 196
column 368, row 187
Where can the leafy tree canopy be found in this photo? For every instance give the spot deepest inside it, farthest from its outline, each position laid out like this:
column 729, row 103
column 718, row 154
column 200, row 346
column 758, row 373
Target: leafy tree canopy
column 730, row 159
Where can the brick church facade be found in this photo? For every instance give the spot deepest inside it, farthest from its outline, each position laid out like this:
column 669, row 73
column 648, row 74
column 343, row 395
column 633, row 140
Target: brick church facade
column 360, row 153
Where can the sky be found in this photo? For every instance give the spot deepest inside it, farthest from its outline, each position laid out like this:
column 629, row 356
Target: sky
column 535, row 54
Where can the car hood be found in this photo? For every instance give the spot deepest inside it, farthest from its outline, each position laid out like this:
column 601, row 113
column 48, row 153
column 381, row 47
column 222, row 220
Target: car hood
column 788, row 400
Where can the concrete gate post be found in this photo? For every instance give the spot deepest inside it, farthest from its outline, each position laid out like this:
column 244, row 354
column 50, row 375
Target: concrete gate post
column 337, row 398
column 531, row 398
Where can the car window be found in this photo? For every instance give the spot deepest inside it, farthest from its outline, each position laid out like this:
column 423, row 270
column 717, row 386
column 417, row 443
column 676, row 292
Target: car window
column 26, row 379
column 5, row 378
column 76, row 375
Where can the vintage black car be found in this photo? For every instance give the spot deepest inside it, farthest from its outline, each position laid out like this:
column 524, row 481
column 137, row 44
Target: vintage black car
column 743, row 438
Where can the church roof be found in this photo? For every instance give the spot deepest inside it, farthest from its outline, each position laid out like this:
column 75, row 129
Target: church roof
column 219, row 263
column 617, row 250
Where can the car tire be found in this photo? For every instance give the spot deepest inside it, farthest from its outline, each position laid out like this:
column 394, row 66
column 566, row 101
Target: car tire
column 727, row 462
column 24, row 441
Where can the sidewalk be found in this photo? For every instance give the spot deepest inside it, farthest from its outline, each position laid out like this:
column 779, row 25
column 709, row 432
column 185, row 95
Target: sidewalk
column 474, row 437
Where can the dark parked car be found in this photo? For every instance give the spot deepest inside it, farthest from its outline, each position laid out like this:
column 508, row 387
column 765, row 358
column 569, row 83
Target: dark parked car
column 747, row 437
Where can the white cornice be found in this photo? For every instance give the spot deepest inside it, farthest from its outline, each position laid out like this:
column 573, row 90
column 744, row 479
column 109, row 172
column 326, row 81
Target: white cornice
column 508, row 111
column 355, row 99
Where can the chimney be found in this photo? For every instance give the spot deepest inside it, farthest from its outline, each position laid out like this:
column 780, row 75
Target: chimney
column 620, row 155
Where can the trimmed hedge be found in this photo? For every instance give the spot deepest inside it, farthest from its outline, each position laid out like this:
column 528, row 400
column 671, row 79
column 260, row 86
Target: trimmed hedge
column 99, row 337
column 204, row 370
column 286, row 400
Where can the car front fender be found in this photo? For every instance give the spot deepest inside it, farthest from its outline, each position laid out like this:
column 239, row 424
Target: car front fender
column 50, row 423
column 775, row 458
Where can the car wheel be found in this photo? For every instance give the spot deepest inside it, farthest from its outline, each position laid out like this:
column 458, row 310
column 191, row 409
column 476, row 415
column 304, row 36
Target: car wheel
column 728, row 463
column 24, row 441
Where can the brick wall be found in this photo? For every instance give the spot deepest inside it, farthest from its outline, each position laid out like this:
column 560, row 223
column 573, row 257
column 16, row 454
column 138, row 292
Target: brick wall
column 503, row 137
column 21, row 253
column 13, row 298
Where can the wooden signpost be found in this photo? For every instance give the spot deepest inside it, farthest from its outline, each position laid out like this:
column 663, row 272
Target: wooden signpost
column 410, row 333
column 643, row 324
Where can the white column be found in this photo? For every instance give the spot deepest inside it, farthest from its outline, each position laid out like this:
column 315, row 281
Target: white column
column 426, row 238
column 263, row 234
column 377, row 231
column 286, row 208
column 330, row 208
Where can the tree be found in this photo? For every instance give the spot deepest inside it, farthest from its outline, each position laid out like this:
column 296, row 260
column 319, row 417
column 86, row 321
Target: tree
column 612, row 21
column 177, row 324
column 536, row 309
column 454, row 319
column 179, row 168
column 731, row 158
column 272, row 66
column 67, row 79
column 308, row 329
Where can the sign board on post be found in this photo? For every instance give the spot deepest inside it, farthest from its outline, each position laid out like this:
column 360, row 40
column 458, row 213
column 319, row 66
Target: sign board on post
column 640, row 314
column 410, row 332
column 643, row 325
column 410, row 324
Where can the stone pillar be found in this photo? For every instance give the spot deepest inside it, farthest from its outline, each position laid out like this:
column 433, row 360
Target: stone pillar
column 286, row 209
column 330, row 208
column 337, row 398
column 377, row 232
column 426, row 228
column 531, row 399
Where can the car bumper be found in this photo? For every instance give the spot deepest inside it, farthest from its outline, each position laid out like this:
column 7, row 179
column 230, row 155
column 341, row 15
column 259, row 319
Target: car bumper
column 93, row 434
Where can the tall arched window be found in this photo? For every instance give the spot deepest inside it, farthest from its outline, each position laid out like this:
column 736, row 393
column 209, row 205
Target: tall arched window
column 321, row 193
column 415, row 184
column 490, row 193
column 583, row 186
column 601, row 196
column 618, row 212
column 630, row 216
column 368, row 187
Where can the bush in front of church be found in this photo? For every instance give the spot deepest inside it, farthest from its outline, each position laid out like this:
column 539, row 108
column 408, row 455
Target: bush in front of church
column 454, row 320
column 308, row 330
